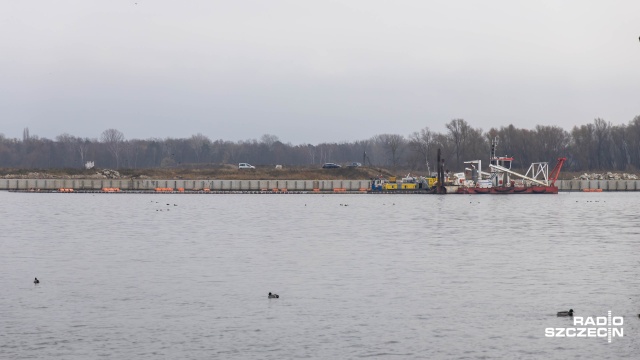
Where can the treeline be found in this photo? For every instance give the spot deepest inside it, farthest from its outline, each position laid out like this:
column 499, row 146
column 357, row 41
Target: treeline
column 596, row 146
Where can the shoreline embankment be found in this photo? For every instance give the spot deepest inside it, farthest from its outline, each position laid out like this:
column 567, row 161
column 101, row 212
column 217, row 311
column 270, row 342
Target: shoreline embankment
column 222, row 186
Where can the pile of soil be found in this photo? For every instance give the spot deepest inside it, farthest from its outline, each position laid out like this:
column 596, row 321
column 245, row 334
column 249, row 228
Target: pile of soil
column 225, row 172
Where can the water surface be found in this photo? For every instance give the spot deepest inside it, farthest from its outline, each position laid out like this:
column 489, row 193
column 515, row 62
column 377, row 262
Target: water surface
column 382, row 276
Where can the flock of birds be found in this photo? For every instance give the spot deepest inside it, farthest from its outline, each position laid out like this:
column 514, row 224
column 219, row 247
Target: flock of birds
column 276, row 296
column 271, row 296
column 166, row 209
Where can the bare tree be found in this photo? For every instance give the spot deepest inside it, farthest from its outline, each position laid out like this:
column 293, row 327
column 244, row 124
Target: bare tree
column 311, row 151
column 393, row 143
column 466, row 142
column 83, row 146
column 582, row 140
column 443, row 142
column 325, row 152
column 602, row 132
column 198, row 143
column 422, row 143
column 598, row 145
column 620, row 154
column 458, row 132
column 113, row 139
column 269, row 140
column 66, row 143
column 552, row 142
column 633, row 131
column 132, row 151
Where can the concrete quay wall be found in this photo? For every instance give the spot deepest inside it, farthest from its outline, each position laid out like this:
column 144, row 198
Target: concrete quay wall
column 187, row 185
column 605, row 185
column 260, row 185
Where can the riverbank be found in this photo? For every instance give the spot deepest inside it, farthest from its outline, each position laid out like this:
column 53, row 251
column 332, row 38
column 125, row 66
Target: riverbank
column 222, row 172
column 251, row 186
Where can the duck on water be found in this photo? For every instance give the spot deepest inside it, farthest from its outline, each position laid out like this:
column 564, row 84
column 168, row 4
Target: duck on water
column 566, row 313
column 273, row 296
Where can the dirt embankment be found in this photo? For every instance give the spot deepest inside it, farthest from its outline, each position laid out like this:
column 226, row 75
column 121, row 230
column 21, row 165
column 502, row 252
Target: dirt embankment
column 230, row 172
column 206, row 173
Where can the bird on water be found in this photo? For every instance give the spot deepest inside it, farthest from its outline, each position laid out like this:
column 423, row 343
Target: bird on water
column 36, row 281
column 566, row 313
column 273, row 296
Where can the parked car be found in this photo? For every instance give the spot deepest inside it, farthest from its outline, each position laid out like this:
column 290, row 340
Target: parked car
column 245, row 166
column 354, row 164
column 330, row 166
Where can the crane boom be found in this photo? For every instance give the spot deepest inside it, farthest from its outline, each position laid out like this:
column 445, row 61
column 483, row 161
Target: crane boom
column 502, row 168
column 556, row 170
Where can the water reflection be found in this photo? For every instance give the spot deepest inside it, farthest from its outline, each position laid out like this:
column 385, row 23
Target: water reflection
column 402, row 276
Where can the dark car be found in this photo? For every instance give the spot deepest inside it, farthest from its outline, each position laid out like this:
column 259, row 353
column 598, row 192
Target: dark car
column 330, row 166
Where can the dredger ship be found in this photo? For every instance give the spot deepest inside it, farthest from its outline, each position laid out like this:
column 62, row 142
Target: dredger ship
column 500, row 179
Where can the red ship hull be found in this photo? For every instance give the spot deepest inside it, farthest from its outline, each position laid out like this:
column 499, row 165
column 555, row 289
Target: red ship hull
column 509, row 190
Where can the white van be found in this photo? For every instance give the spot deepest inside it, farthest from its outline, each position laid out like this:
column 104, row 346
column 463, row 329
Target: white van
column 245, row 166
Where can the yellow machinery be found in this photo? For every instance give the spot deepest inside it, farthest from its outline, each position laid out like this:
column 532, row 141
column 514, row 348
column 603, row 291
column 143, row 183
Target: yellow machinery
column 407, row 183
column 390, row 184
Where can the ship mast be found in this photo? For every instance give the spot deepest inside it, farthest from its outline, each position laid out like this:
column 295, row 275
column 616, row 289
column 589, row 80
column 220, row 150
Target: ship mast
column 492, row 156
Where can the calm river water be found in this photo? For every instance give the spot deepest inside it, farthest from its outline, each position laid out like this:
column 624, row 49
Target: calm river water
column 381, row 276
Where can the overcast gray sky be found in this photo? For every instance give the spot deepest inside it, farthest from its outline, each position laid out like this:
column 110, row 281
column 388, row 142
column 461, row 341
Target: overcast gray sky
column 313, row 71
